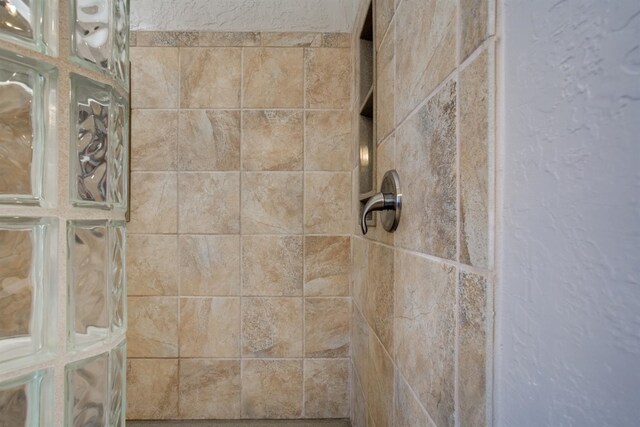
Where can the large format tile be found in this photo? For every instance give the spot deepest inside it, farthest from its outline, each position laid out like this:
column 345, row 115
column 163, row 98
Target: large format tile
column 154, row 77
column 272, row 327
column 209, row 327
column 425, row 50
column 474, row 167
column 327, row 141
column 271, row 389
column 379, row 388
column 380, row 293
column 152, row 264
column 474, row 16
column 328, row 78
column 154, row 140
column 408, row 411
column 209, row 265
column 327, row 265
column 272, row 265
column 209, row 202
column 272, row 140
column 326, row 388
column 327, row 327
column 472, row 358
column 152, row 389
column 385, row 86
column 425, row 332
column 272, row 78
column 426, row 163
column 272, row 203
column 209, row 140
column 154, row 202
column 209, row 389
column 210, row 78
column 327, row 203
column 153, row 327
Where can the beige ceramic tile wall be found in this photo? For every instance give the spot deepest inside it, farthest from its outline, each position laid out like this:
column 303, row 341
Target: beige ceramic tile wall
column 240, row 233
column 422, row 297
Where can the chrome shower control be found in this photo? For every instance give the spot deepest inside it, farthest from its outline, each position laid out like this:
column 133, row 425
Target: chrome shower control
column 388, row 200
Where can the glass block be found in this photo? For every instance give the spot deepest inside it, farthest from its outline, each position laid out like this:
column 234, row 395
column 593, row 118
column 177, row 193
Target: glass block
column 117, row 277
column 27, row 289
column 118, row 166
column 121, row 41
column 88, row 297
column 28, row 23
column 100, row 145
column 100, row 36
column 117, row 386
column 27, row 400
column 91, row 32
column 87, row 392
column 26, row 97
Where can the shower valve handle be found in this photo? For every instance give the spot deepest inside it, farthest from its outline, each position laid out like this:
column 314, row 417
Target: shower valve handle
column 388, row 200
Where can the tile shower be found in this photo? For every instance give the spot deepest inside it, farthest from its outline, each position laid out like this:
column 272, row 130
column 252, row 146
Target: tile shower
column 63, row 194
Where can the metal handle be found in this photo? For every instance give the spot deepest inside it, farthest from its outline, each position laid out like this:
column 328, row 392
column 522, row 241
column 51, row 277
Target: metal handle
column 389, row 201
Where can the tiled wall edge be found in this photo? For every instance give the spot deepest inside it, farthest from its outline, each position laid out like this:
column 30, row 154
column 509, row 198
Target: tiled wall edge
column 238, row 39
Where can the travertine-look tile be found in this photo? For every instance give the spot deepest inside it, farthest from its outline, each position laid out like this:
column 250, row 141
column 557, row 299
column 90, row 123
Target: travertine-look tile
column 426, row 162
column 425, row 49
column 474, row 15
column 327, row 141
column 474, row 168
column 292, row 39
column 326, row 324
column 472, row 364
column 154, row 77
column 209, row 140
column 358, row 414
column 152, row 389
column 153, row 327
column 209, row 389
column 385, row 86
column 272, row 265
column 152, row 266
column 154, row 202
column 210, row 77
column 209, row 202
column 379, row 389
column 327, row 200
column 383, row 15
column 228, row 39
column 425, row 332
column 272, row 140
column 209, row 265
column 272, row 203
column 272, row 327
column 167, row 38
column 326, row 388
column 336, row 39
column 360, row 275
column 328, row 78
column 154, row 140
column 407, row 410
column 271, row 389
column 327, row 261
column 380, row 293
column 273, row 78
column 209, row 327
column 360, row 347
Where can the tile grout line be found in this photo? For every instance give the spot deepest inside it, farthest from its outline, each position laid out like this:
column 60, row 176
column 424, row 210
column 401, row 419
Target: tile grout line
column 304, row 197
column 178, row 221
column 241, row 258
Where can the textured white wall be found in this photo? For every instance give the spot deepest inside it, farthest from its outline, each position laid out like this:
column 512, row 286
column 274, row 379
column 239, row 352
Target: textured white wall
column 568, row 298
column 242, row 15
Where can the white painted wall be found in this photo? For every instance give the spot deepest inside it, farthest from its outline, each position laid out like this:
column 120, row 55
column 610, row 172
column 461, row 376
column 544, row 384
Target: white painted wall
column 568, row 295
column 242, row 15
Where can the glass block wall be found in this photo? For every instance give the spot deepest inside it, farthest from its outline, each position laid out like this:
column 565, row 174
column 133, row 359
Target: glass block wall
column 64, row 129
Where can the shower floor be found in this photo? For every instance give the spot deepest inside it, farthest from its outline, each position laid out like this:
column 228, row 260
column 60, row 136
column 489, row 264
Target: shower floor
column 242, row 423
